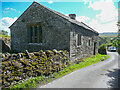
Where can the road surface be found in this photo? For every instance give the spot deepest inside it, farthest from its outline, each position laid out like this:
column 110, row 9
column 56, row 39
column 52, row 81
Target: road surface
column 101, row 75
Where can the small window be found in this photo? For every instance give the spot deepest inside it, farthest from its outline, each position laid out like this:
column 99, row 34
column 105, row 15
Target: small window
column 89, row 43
column 35, row 34
column 78, row 39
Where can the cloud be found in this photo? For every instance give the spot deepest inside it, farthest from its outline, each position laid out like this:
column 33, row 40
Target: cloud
column 106, row 20
column 107, row 8
column 108, row 27
column 66, row 14
column 85, row 1
column 82, row 18
column 12, row 9
column 5, row 22
column 6, row 8
column 50, row 2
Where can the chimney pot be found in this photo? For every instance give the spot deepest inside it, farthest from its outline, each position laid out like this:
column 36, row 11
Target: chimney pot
column 72, row 16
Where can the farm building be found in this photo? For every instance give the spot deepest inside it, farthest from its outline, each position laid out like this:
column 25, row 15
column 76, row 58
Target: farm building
column 42, row 28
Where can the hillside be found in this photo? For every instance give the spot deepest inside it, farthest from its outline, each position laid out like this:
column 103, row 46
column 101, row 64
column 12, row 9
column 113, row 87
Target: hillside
column 108, row 34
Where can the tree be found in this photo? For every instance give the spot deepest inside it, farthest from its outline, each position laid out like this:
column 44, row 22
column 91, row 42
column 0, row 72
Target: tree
column 116, row 43
column 3, row 32
column 118, row 28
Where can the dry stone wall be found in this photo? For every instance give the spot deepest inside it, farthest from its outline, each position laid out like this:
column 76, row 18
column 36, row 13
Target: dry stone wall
column 4, row 47
column 21, row 66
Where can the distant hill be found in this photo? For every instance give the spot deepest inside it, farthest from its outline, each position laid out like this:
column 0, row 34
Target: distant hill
column 110, row 34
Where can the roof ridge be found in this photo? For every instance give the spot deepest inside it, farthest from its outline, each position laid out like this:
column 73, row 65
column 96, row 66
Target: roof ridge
column 88, row 26
column 60, row 14
column 49, row 8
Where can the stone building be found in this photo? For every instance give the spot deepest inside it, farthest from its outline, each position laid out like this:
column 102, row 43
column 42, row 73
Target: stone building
column 42, row 28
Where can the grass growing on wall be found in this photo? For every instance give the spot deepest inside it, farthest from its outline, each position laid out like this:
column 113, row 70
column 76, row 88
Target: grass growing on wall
column 34, row 81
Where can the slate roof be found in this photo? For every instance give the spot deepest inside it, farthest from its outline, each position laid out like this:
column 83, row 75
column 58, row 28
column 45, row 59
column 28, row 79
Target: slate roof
column 65, row 17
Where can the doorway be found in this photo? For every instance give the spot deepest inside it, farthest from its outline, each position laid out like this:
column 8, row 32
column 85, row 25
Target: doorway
column 94, row 51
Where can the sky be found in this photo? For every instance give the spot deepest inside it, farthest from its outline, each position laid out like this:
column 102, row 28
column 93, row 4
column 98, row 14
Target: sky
column 101, row 15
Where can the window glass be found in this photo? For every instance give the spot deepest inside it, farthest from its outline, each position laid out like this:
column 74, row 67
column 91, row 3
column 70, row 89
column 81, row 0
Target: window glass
column 78, row 39
column 40, row 34
column 35, row 34
column 89, row 42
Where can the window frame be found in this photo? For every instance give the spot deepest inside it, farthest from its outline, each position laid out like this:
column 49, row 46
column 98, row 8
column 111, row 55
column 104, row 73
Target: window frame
column 35, row 31
column 77, row 39
column 89, row 42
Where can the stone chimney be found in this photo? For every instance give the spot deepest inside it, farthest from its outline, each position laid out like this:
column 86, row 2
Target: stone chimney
column 72, row 16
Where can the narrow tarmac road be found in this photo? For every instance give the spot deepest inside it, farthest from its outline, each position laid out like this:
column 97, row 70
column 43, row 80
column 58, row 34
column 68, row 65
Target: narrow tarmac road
column 101, row 75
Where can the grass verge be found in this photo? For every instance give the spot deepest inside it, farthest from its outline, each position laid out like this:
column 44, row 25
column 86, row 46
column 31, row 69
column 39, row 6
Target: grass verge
column 34, row 81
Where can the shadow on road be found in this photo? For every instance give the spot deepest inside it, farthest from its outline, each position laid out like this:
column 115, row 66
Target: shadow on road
column 114, row 82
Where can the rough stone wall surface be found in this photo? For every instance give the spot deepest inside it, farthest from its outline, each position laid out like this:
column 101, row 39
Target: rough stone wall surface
column 55, row 30
column 15, row 39
column 83, row 50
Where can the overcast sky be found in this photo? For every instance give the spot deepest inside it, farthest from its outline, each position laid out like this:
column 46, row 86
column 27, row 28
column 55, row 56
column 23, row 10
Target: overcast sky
column 101, row 15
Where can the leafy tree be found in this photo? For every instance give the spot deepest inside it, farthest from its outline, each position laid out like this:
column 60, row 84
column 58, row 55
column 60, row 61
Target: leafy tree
column 102, row 49
column 116, row 43
column 3, row 32
column 118, row 28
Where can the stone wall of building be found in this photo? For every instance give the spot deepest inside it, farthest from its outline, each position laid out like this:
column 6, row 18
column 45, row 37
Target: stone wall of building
column 83, row 50
column 58, row 33
column 55, row 34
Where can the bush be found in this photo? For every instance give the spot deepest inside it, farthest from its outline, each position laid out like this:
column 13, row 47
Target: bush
column 116, row 43
column 102, row 49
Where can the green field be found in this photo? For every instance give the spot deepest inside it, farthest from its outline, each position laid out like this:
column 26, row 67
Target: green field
column 109, row 34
